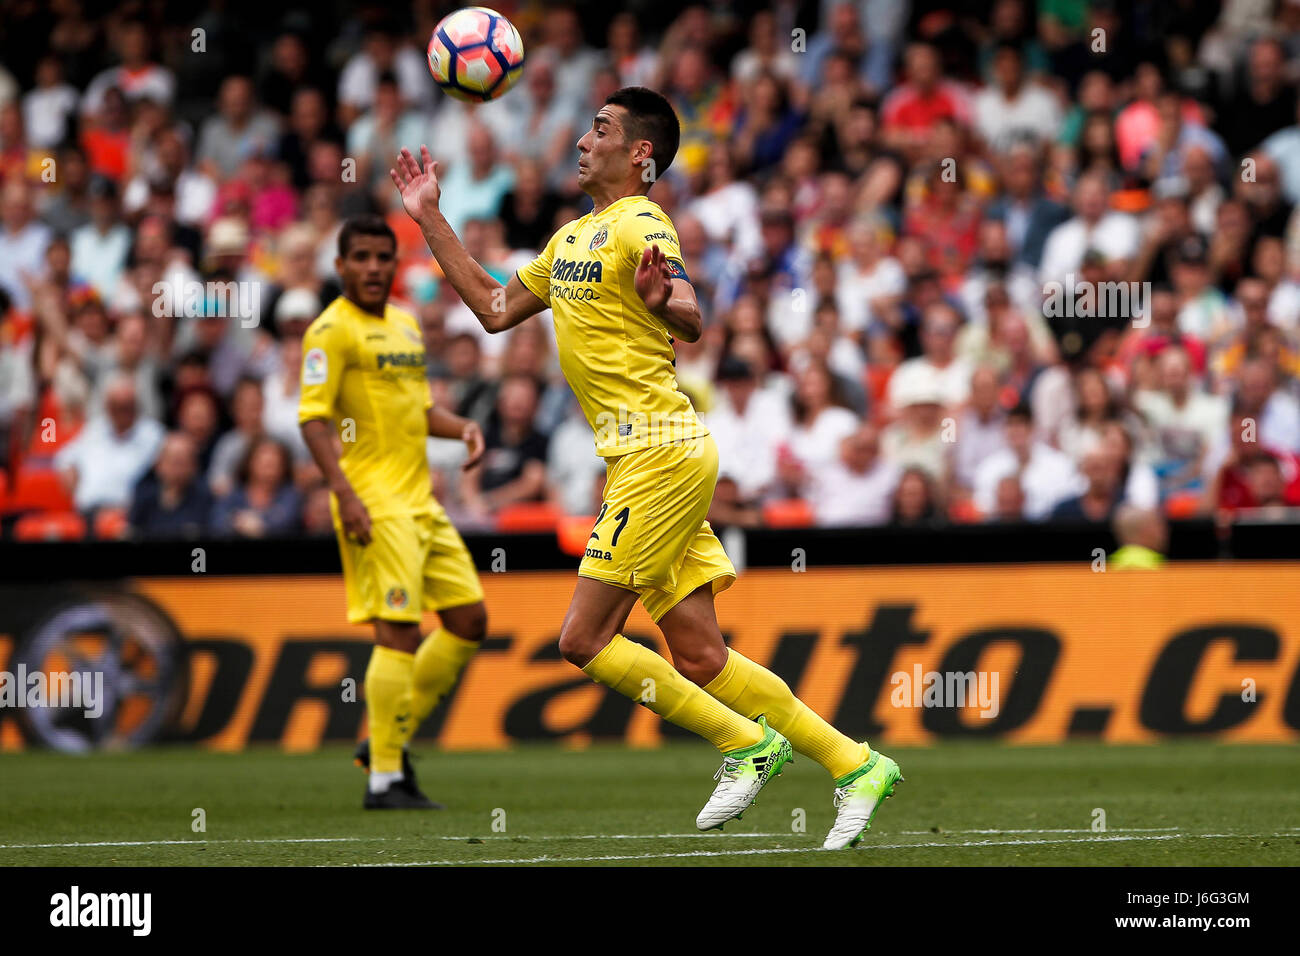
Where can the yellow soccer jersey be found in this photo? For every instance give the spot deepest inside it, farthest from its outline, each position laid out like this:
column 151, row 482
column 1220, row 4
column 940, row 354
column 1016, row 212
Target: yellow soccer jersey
column 617, row 356
column 366, row 374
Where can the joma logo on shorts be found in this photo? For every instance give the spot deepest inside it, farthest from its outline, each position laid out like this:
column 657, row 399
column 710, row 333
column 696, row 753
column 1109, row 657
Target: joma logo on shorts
column 599, row 554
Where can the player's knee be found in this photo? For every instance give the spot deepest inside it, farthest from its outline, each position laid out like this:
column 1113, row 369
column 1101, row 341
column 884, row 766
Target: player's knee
column 578, row 645
column 701, row 665
column 469, row 623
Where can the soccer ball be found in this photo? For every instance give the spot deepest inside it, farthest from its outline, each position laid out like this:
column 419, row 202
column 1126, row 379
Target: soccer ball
column 475, row 54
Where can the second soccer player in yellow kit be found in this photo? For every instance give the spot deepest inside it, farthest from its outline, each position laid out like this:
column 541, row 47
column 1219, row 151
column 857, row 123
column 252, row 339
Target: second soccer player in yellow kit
column 619, row 293
column 365, row 413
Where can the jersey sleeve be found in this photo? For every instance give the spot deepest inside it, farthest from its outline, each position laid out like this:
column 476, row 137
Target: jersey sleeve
column 326, row 352
column 641, row 230
column 536, row 276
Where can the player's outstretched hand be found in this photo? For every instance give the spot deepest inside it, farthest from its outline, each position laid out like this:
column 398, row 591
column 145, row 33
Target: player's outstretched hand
column 420, row 190
column 473, row 438
column 654, row 281
column 355, row 518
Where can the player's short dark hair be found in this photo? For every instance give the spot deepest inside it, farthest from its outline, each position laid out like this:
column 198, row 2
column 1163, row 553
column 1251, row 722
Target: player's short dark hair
column 363, row 226
column 650, row 116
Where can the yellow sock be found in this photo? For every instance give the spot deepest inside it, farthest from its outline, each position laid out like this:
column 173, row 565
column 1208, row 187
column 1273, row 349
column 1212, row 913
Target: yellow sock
column 753, row 690
column 388, row 704
column 438, row 662
column 641, row 674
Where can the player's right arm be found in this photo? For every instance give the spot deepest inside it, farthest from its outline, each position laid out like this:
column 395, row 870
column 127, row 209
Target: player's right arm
column 497, row 308
column 326, row 346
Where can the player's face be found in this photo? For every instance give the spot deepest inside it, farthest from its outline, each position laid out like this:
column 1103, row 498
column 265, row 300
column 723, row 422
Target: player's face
column 604, row 155
column 367, row 271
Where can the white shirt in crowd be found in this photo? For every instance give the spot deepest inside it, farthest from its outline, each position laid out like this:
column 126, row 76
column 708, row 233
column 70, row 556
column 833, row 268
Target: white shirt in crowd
column 1116, row 236
column 45, row 114
column 921, row 376
column 976, row 441
column 1048, row 479
column 854, row 290
column 1181, row 433
column 107, row 464
column 817, row 445
column 844, row 497
column 999, row 120
column 748, row 442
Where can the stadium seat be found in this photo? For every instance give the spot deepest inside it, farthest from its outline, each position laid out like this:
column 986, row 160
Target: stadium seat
column 529, row 516
column 38, row 489
column 50, row 526
column 110, row 524
column 4, row 487
column 788, row 513
column 573, row 532
column 964, row 512
column 1185, row 504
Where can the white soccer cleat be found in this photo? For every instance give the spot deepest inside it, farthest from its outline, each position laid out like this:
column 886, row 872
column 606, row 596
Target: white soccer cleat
column 857, row 798
column 742, row 775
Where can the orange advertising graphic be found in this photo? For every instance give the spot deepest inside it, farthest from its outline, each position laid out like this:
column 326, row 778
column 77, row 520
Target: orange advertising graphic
column 1029, row 654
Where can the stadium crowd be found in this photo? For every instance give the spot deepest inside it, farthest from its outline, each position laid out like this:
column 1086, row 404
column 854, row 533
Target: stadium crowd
column 876, row 202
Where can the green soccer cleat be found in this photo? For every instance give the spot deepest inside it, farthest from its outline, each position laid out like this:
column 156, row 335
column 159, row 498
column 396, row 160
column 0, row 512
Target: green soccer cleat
column 743, row 773
column 858, row 795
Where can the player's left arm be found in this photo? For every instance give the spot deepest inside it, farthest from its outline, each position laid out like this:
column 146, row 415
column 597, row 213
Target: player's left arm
column 445, row 424
column 670, row 297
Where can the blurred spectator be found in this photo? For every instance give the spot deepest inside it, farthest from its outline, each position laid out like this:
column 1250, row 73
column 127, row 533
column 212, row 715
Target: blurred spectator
column 102, row 465
column 938, row 371
column 1184, row 423
column 1114, row 235
column 48, row 108
column 910, row 110
column 1265, row 103
column 1143, row 537
column 99, row 248
column 819, row 423
column 22, row 243
column 264, row 502
column 915, row 501
column 1230, row 462
column 136, row 77
column 246, row 408
column 857, row 489
column 239, row 129
column 1047, row 477
column 383, row 51
column 514, row 463
column 1029, row 214
column 978, row 428
column 475, row 185
column 1013, row 107
column 749, row 422
column 172, row 501
column 1102, row 490
column 382, row 132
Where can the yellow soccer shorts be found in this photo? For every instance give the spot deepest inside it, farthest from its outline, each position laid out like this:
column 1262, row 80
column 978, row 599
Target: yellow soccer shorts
column 413, row 563
column 651, row 536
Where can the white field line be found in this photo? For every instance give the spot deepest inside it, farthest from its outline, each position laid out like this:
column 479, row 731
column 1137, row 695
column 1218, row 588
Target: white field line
column 628, row 857
column 57, row 846
column 663, row 836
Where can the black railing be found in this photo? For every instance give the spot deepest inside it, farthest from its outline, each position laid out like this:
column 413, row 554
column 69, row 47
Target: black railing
column 815, row 547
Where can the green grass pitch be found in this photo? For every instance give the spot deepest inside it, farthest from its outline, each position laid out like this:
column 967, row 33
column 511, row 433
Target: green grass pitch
column 1190, row 803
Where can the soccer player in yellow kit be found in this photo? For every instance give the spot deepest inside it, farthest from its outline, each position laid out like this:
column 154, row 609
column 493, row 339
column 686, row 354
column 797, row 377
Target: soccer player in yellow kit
column 619, row 292
column 364, row 392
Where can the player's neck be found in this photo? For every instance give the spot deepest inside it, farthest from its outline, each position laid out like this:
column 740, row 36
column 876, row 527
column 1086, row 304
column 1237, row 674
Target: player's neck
column 379, row 315
column 603, row 200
